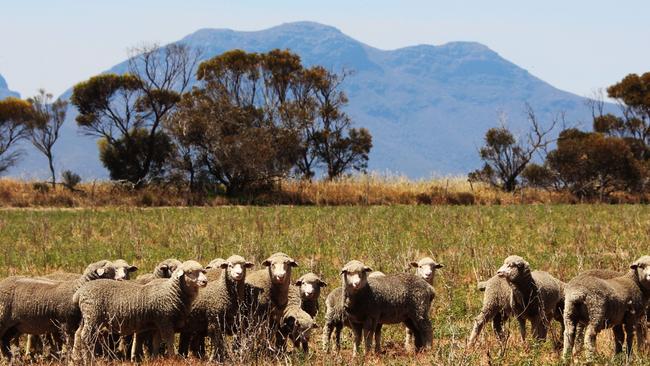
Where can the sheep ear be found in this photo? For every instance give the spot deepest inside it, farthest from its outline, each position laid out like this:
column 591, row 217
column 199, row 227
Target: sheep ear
column 322, row 283
column 132, row 268
column 438, row 265
column 224, row 265
column 293, row 263
column 164, row 267
column 343, row 271
column 634, row 265
column 414, row 264
column 100, row 271
column 266, row 263
column 179, row 273
column 367, row 269
column 249, row 265
column 298, row 283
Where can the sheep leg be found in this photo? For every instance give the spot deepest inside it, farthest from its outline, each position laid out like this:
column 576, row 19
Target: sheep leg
column 155, row 343
column 378, row 339
column 641, row 330
column 522, row 328
column 579, row 338
column 629, row 338
column 167, row 335
column 327, row 334
column 337, row 335
column 497, row 325
column 590, row 340
column 136, row 347
column 569, row 336
column 479, row 322
column 619, row 337
column 408, row 339
column 6, row 344
column 357, row 329
column 369, row 328
column 184, row 344
column 216, row 336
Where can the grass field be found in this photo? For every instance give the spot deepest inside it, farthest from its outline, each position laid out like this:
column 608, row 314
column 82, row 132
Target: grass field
column 471, row 241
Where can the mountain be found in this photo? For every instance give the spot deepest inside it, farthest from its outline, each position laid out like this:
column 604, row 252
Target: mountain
column 4, row 90
column 427, row 107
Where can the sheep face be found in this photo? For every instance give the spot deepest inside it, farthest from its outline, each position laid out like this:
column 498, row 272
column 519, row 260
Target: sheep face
column 279, row 265
column 192, row 273
column 123, row 270
column 513, row 267
column 102, row 269
column 165, row 268
column 236, row 267
column 642, row 268
column 310, row 285
column 300, row 325
column 355, row 276
column 426, row 268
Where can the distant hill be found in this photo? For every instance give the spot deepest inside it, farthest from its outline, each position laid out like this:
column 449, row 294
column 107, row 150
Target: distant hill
column 426, row 106
column 4, row 90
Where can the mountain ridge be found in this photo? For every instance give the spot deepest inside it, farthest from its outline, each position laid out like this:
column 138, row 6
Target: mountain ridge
column 427, row 106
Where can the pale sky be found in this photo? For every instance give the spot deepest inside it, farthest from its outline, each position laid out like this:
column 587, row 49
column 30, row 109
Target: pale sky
column 576, row 45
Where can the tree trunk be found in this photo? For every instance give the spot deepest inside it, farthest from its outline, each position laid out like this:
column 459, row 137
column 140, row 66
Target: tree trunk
column 51, row 163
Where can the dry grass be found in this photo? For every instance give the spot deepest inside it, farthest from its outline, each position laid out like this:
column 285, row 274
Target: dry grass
column 359, row 190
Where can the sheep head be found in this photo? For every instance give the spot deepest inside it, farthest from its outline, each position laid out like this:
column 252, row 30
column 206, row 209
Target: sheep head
column 513, row 268
column 426, row 268
column 299, row 324
column 123, row 269
column 101, row 269
column 642, row 268
column 279, row 265
column 192, row 273
column 215, row 263
column 355, row 275
column 236, row 267
column 165, row 268
column 310, row 285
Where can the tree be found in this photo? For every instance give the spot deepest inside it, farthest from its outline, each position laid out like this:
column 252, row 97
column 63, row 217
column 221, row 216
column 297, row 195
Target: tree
column 592, row 164
column 506, row 158
column 49, row 117
column 337, row 145
column 16, row 117
column 114, row 107
column 240, row 121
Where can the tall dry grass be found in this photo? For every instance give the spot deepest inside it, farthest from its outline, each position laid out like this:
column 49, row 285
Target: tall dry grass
column 358, row 190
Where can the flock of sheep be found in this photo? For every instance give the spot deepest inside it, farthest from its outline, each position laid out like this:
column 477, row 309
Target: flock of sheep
column 72, row 314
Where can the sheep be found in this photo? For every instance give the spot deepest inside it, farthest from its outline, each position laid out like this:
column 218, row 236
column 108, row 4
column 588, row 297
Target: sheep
column 601, row 303
column 268, row 292
column 216, row 307
column 425, row 268
column 163, row 269
column 214, row 269
column 535, row 296
column 496, row 307
column 297, row 325
column 40, row 306
column 402, row 298
column 128, row 307
column 310, row 286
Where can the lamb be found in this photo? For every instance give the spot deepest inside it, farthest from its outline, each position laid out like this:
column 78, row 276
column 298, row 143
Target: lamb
column 40, row 306
column 163, row 269
column 535, row 296
column 496, row 307
column 426, row 269
column 216, row 308
column 310, row 286
column 601, row 303
column 127, row 307
column 298, row 324
column 335, row 318
column 268, row 292
column 402, row 298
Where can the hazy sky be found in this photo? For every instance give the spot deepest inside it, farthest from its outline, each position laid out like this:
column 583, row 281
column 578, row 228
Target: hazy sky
column 575, row 45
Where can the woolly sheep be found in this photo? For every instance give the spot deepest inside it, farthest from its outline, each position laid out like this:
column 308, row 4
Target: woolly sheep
column 496, row 307
column 426, row 269
column 216, row 307
column 335, row 318
column 128, row 307
column 601, row 303
column 535, row 296
column 310, row 285
column 298, row 325
column 40, row 306
column 214, row 269
column 402, row 298
column 163, row 269
column 268, row 292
